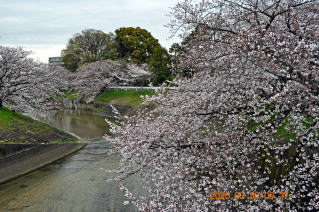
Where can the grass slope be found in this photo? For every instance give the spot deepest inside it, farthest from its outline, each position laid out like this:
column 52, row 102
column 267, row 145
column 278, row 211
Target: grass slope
column 16, row 128
column 127, row 97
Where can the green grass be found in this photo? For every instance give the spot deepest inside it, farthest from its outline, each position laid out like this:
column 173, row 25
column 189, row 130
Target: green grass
column 17, row 128
column 63, row 142
column 97, row 110
column 8, row 117
column 71, row 95
column 129, row 97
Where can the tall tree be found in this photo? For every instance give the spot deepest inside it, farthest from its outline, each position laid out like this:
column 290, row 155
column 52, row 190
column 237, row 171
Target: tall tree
column 139, row 46
column 136, row 44
column 247, row 120
column 89, row 46
column 160, row 65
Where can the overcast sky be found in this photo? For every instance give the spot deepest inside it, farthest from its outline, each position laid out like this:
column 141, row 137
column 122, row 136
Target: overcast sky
column 45, row 26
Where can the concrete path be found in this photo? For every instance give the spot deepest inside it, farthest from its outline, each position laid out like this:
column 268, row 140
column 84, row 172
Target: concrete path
column 76, row 183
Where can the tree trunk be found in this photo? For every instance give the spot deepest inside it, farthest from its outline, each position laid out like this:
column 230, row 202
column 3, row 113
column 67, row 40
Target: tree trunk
column 0, row 103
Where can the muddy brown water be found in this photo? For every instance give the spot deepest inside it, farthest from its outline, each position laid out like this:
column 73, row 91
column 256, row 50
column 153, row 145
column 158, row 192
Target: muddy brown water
column 83, row 122
column 76, row 183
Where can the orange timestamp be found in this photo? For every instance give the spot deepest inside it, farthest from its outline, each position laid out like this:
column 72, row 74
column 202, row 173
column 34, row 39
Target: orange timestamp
column 249, row 195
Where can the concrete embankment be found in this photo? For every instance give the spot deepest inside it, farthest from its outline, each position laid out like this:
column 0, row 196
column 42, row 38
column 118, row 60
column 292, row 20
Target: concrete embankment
column 33, row 158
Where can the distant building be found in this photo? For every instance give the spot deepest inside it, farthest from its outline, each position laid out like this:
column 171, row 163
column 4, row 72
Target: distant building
column 55, row 61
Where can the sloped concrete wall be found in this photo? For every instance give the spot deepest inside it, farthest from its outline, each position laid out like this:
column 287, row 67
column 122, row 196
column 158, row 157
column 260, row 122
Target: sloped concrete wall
column 31, row 159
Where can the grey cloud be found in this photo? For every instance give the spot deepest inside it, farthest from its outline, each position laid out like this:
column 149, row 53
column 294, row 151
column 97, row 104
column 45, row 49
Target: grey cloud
column 45, row 22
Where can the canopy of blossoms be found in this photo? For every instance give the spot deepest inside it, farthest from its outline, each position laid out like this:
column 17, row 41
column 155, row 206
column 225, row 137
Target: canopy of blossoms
column 247, row 120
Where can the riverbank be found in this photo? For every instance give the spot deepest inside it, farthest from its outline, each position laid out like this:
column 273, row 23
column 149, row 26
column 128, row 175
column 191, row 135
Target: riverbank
column 132, row 98
column 16, row 128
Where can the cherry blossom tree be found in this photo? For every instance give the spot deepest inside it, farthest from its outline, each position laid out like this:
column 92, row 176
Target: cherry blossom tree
column 246, row 121
column 23, row 82
column 93, row 78
column 26, row 84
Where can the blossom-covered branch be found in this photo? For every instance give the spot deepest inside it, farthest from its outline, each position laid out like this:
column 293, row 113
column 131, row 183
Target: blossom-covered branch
column 252, row 103
column 24, row 84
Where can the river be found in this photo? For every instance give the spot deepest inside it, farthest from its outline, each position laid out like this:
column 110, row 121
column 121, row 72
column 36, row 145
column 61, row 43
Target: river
column 75, row 183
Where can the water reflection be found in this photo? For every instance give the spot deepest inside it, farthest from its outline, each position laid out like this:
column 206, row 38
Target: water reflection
column 76, row 183
column 81, row 122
